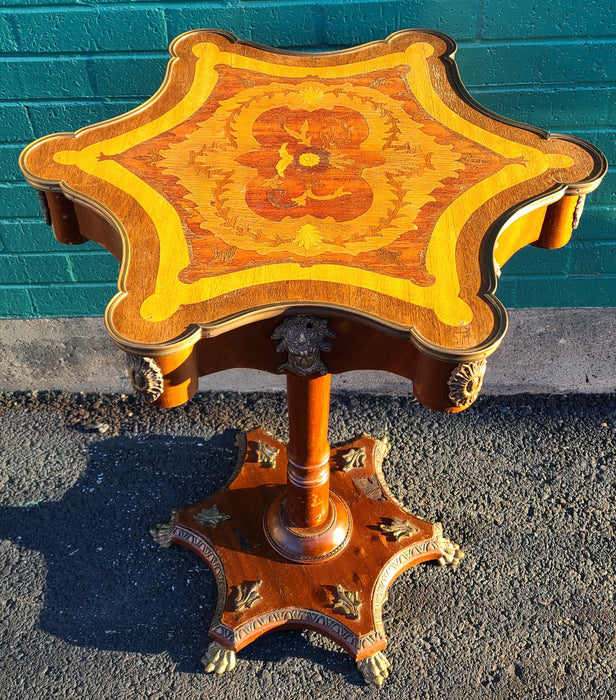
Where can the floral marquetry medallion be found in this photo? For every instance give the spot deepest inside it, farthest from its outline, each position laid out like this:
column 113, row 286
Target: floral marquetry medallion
column 301, row 173
column 367, row 179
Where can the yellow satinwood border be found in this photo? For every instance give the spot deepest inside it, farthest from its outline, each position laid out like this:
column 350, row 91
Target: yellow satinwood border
column 442, row 296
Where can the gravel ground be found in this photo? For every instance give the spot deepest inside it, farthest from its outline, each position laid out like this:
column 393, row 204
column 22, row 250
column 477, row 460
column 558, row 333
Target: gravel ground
column 91, row 608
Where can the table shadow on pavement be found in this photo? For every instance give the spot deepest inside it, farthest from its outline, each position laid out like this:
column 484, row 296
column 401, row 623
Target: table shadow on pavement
column 108, row 585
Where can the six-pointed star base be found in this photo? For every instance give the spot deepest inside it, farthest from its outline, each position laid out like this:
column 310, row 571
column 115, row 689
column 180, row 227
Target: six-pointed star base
column 341, row 596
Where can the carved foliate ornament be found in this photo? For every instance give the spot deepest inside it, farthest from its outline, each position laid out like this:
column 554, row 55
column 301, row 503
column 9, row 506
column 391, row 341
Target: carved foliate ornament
column 381, row 449
column 211, row 517
column 145, row 377
column 354, row 458
column 397, row 529
column 303, row 338
column 465, row 382
column 246, row 595
column 347, row 603
column 267, row 454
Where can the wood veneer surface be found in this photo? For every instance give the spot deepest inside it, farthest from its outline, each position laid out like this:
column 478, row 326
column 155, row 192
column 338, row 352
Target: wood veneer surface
column 364, row 181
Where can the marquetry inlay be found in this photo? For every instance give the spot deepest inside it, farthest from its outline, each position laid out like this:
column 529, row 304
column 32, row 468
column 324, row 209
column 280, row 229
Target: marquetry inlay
column 276, row 174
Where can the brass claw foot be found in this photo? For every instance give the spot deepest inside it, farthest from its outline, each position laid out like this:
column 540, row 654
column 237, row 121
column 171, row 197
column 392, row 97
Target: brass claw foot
column 374, row 669
column 218, row 659
column 161, row 534
column 451, row 552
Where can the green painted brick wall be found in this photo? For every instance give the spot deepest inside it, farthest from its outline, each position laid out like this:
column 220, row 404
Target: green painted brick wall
column 64, row 65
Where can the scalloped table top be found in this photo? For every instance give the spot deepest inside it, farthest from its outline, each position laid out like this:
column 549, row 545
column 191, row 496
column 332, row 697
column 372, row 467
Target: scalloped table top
column 365, row 180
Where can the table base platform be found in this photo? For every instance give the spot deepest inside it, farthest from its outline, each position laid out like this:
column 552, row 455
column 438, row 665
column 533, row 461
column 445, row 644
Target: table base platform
column 340, row 595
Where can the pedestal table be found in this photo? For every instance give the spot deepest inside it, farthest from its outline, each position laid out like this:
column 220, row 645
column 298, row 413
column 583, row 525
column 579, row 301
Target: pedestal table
column 310, row 214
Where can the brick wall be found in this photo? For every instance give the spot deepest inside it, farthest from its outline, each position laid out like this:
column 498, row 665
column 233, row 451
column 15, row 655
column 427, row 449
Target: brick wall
column 64, row 65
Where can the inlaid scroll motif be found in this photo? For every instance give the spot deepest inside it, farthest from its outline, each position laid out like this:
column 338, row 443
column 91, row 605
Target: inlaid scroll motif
column 381, row 450
column 312, row 618
column 577, row 213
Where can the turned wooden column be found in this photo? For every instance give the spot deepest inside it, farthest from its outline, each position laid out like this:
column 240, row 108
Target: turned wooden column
column 307, row 522
column 307, row 503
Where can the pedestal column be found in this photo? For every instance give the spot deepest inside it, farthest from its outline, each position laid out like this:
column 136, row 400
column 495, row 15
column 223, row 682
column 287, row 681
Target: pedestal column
column 307, row 503
column 307, row 522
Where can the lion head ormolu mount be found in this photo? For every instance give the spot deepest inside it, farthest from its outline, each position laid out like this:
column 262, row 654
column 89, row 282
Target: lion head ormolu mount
column 358, row 203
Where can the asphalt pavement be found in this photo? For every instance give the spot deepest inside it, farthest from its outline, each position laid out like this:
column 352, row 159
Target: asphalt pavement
column 91, row 608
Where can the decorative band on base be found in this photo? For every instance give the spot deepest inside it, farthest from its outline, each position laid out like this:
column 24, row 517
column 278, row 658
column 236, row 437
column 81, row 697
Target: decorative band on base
column 307, row 545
